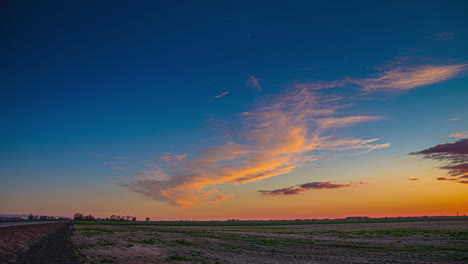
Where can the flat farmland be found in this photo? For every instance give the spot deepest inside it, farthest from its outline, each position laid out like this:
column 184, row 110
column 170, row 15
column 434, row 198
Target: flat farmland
column 405, row 242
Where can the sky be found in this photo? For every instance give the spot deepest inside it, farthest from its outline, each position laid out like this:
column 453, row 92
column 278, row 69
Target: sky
column 212, row 110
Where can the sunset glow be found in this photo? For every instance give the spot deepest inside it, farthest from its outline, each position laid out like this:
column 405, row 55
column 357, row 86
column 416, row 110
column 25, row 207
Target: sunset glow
column 243, row 110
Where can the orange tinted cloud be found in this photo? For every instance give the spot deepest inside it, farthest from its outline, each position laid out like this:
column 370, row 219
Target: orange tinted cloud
column 278, row 137
column 408, row 77
column 414, row 179
column 463, row 134
column 396, row 78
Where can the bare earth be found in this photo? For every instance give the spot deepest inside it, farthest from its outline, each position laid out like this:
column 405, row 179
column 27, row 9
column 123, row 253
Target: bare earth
column 409, row 243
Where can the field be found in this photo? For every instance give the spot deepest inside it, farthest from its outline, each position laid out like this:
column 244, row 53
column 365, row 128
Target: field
column 226, row 242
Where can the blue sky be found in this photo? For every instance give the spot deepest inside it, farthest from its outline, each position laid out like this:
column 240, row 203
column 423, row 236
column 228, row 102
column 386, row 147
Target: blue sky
column 86, row 82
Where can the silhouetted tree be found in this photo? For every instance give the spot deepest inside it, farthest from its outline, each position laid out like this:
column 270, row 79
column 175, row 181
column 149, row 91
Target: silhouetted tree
column 147, row 219
column 78, row 217
column 89, row 218
column 31, row 217
column 134, row 219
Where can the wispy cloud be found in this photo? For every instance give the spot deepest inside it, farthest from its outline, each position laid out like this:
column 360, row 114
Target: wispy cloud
column 298, row 189
column 220, row 95
column 463, row 134
column 280, row 135
column 443, row 36
column 455, row 119
column 253, row 82
column 172, row 159
column 408, row 77
column 277, row 137
column 396, row 78
column 115, row 163
column 454, row 154
column 414, row 179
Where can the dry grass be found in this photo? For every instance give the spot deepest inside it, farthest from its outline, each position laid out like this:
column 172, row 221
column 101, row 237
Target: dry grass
column 411, row 242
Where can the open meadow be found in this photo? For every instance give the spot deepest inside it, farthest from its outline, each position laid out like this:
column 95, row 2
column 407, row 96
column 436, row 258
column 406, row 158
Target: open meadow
column 387, row 242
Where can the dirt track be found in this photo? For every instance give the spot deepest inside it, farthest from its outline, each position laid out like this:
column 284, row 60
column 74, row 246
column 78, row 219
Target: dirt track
column 56, row 248
column 43, row 242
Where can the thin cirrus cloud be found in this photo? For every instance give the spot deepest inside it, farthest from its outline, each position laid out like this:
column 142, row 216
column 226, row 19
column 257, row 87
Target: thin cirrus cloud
column 277, row 138
column 463, row 134
column 404, row 78
column 443, row 36
column 397, row 78
column 220, row 95
column 254, row 82
column 455, row 155
column 455, row 119
column 172, row 159
column 298, row 189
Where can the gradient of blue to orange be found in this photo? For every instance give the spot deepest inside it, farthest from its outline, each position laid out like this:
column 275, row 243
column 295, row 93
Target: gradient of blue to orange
column 213, row 109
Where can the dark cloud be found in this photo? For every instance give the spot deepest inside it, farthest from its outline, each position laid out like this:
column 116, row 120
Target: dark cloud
column 322, row 185
column 303, row 187
column 444, row 151
column 414, row 179
column 455, row 155
column 284, row 191
column 445, row 179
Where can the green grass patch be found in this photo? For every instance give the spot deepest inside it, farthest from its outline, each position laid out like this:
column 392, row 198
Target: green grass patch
column 185, row 242
column 177, row 257
column 397, row 232
column 91, row 233
column 84, row 246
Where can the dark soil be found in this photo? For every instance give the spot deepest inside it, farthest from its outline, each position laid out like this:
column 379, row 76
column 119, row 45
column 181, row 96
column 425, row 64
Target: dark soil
column 56, row 248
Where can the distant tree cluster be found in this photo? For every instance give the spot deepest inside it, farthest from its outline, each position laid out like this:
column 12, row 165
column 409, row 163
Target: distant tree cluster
column 82, row 217
column 10, row 218
column 33, row 217
column 122, row 218
column 233, row 220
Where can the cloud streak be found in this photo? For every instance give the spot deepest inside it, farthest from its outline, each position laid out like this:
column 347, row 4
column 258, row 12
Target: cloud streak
column 298, row 189
column 395, row 79
column 220, row 95
column 254, row 82
column 463, row 134
column 277, row 137
column 280, row 135
column 443, row 36
column 455, row 155
column 404, row 78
